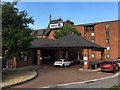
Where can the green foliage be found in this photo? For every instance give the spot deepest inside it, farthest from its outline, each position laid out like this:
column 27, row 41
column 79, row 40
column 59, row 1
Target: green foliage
column 66, row 29
column 115, row 87
column 16, row 34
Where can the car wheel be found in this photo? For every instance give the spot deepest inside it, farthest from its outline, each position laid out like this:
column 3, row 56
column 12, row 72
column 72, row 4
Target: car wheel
column 102, row 71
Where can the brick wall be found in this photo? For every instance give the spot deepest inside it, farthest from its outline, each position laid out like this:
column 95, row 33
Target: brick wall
column 22, row 63
column 100, row 37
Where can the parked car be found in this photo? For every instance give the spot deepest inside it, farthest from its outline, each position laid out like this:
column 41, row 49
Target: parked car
column 118, row 62
column 75, row 61
column 118, row 58
column 62, row 62
column 109, row 66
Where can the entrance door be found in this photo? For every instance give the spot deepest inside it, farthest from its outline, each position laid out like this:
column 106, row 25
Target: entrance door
column 48, row 56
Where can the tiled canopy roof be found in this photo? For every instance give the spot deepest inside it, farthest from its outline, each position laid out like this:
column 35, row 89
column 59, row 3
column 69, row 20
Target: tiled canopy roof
column 41, row 42
column 68, row 41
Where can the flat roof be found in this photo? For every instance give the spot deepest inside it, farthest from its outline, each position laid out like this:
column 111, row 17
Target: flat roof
column 95, row 23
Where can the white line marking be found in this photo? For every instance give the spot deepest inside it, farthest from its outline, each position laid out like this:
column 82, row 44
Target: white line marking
column 81, row 82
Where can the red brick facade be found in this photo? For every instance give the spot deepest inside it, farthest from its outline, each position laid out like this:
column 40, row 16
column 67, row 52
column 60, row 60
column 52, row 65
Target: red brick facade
column 100, row 37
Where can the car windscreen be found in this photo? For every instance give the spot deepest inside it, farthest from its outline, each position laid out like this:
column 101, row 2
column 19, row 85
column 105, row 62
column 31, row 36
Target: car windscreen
column 108, row 63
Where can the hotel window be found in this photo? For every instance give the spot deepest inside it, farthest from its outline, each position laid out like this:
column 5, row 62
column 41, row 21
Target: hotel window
column 43, row 37
column 85, row 28
column 107, row 41
column 92, row 34
column 108, row 56
column 107, row 26
column 108, row 48
column 93, row 40
column 92, row 28
column 107, row 33
column 84, row 34
column 55, row 31
column 25, row 58
column 92, row 55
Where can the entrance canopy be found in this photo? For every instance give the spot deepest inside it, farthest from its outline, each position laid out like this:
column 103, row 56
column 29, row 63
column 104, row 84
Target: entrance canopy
column 68, row 41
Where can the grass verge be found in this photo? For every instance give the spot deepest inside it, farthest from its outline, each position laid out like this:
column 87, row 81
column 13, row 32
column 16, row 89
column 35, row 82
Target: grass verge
column 10, row 77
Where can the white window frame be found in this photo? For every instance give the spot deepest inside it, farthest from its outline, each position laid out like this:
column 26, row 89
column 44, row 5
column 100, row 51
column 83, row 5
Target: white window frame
column 92, row 34
column 92, row 55
column 25, row 58
column 107, row 25
column 93, row 40
column 108, row 48
column 85, row 34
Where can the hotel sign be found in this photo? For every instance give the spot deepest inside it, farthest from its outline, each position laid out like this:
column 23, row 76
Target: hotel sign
column 57, row 25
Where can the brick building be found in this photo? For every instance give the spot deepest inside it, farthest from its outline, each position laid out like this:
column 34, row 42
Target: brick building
column 101, row 33
column 101, row 43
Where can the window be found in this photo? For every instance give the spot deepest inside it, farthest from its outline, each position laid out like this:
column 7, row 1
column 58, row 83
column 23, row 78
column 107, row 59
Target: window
column 85, row 28
column 93, row 40
column 25, row 58
column 43, row 37
column 107, row 33
column 107, row 26
column 106, row 62
column 107, row 41
column 92, row 28
column 84, row 34
column 108, row 56
column 92, row 34
column 55, row 31
column 92, row 55
column 108, row 48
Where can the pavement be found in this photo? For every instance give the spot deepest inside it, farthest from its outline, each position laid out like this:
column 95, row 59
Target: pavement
column 99, row 83
column 48, row 75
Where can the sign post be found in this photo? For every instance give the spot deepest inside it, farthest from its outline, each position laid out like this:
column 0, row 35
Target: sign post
column 85, row 62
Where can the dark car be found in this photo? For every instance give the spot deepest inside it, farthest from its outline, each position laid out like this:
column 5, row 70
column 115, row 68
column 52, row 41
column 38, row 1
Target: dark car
column 75, row 62
column 109, row 66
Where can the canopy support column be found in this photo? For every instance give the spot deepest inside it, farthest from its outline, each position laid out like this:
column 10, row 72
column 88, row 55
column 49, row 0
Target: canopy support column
column 66, row 54
column 85, row 58
column 39, row 57
column 14, row 61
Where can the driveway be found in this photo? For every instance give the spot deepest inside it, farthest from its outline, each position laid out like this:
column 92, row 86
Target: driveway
column 49, row 75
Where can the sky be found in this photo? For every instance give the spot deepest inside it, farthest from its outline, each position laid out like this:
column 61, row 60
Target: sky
column 77, row 12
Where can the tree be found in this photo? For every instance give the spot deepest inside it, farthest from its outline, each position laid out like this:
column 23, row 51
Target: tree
column 66, row 29
column 16, row 34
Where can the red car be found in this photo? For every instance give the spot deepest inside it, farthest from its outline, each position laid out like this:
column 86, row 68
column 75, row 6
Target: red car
column 109, row 66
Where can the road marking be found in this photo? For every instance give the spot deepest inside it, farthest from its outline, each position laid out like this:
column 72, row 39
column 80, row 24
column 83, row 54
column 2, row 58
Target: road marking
column 82, row 82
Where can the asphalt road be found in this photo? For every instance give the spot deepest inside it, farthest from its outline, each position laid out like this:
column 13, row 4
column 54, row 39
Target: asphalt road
column 104, row 83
